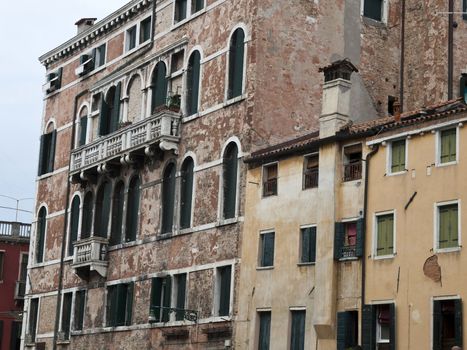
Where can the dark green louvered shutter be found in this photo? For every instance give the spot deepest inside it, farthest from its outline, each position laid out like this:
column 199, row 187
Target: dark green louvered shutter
column 230, row 180
column 129, row 303
column 369, row 327
column 86, row 223
column 297, row 333
column 181, row 291
column 83, row 126
column 373, row 9
column 159, row 86
column 437, row 320
column 92, row 64
column 132, row 210
column 339, row 235
column 33, row 311
column 117, row 214
column 186, row 193
column 224, row 300
column 122, row 290
column 267, row 249
column 41, row 225
column 306, row 237
column 156, row 296
column 115, row 115
column 360, row 232
column 79, row 310
column 167, row 298
column 464, row 9
column 51, row 153
column 180, row 10
column 194, row 67
column 102, row 216
column 392, row 326
column 342, row 330
column 458, row 321
column 264, row 330
column 463, row 78
column 313, row 244
column 168, row 198
column 58, row 82
column 66, row 314
column 102, row 52
column 198, row 5
column 74, row 223
column 40, row 168
column 104, row 117
column 111, row 306
column 236, row 58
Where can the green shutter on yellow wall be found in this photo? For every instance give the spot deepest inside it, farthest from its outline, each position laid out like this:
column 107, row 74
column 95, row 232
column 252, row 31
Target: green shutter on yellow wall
column 385, row 235
column 448, row 226
column 398, row 156
column 448, row 146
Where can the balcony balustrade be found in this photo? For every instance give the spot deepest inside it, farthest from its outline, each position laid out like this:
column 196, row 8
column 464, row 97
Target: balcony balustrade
column 353, row 171
column 15, row 231
column 162, row 128
column 90, row 254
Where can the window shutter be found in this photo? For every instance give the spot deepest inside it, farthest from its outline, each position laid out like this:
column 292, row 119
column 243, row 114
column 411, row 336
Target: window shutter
column 102, row 52
column 168, row 198
column 181, row 291
column 121, row 304
column 51, row 156
column 41, row 225
column 306, row 237
column 198, row 5
column 392, row 326
column 156, row 296
column 312, row 244
column 437, row 319
column 104, row 117
column 186, row 199
column 79, row 310
column 132, row 209
column 368, row 327
column 373, row 9
column 115, row 115
column 398, row 156
column 58, row 82
column 129, row 303
column 264, row 330
column 193, row 83
column 224, row 300
column 237, row 47
column 167, row 299
column 86, row 224
column 117, row 214
column 66, row 314
column 463, row 79
column 159, row 92
column 342, row 321
column 111, row 306
column 360, row 233
column 339, row 234
column 41, row 170
column 297, row 336
column 444, row 227
column 453, row 226
column 268, row 249
column 458, row 321
column 106, row 209
column 74, row 216
column 230, row 180
column 83, row 126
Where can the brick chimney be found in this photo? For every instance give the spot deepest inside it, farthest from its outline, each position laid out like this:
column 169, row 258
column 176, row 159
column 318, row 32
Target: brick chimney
column 335, row 108
column 85, row 23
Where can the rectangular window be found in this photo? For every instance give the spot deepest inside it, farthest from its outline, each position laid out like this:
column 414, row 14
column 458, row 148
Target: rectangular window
column 15, row 335
column 297, row 330
column 131, row 38
column 266, row 249
column 224, row 274
column 196, row 5
column 54, row 81
column 385, row 234
column 161, row 293
column 353, row 162
column 348, row 239
column 119, row 304
column 80, row 304
column 264, row 334
column 311, row 171
column 378, row 326
column 32, row 322
column 83, row 127
column 99, row 56
column 464, row 9
column 308, row 245
column 145, row 30
column 347, row 330
column 447, row 323
column 180, row 10
column 373, row 9
column 66, row 316
column 447, row 146
column 270, row 180
column 448, row 226
column 398, row 156
column 2, row 258
column 180, row 295
column 47, row 153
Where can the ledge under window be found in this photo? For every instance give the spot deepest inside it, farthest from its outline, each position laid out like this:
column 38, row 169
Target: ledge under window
column 235, row 100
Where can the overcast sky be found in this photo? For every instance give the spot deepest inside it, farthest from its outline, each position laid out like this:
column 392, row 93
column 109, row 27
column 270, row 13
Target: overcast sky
column 28, row 29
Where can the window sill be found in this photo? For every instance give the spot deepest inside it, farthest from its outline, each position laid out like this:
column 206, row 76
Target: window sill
column 234, row 100
column 440, row 165
column 269, row 196
column 190, row 117
column 448, row 250
column 397, row 173
column 63, row 342
column 224, row 222
column 353, row 258
column 373, row 22
column 305, row 264
column 309, row 188
column 263, row 268
column 384, row 257
column 188, row 19
column 122, row 245
column 136, row 48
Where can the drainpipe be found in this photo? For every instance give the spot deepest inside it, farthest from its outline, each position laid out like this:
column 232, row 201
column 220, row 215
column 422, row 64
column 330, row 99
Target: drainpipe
column 365, row 206
column 402, row 61
column 450, row 48
column 65, row 225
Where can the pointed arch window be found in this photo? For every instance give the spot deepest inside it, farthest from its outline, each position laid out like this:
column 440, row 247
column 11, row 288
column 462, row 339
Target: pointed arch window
column 186, row 193
column 110, row 110
column 83, row 126
column 132, row 209
column 74, row 223
column 40, row 236
column 117, row 214
column 193, row 74
column 236, row 62
column 159, row 86
column 168, row 198
column 86, row 220
column 230, row 170
column 101, row 220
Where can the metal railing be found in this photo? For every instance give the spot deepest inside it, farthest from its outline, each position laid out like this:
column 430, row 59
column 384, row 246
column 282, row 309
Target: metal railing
column 353, row 171
column 162, row 125
column 311, row 178
column 15, row 229
column 349, row 251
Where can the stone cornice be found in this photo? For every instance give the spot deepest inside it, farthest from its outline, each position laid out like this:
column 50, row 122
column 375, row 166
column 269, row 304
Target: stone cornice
column 92, row 34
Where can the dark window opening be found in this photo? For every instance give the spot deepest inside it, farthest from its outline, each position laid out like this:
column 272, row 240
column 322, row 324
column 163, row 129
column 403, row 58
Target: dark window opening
column 168, row 198
column 224, row 280
column 270, row 180
column 264, row 337
column 159, row 87
column 373, row 9
column 66, row 315
column 15, row 340
column 131, row 38
column 230, row 169
column 180, row 285
column 391, row 101
column 464, row 9
column 99, row 55
column 102, row 217
column 297, row 331
column 80, row 300
column 132, row 209
column 54, row 81
column 161, row 294
column 311, row 171
column 47, row 152
column 110, row 111
column 353, row 162
column 447, row 324
column 32, row 322
column 83, row 126
column 145, row 30
column 176, row 62
column 186, row 193
column 347, row 330
column 117, row 214
column 86, row 220
column 196, row 5
column 119, row 304
column 379, row 327
column 236, row 61
column 308, row 245
column 348, row 239
column 74, row 224
column 180, row 10
column 266, row 249
column 193, row 75
column 41, row 227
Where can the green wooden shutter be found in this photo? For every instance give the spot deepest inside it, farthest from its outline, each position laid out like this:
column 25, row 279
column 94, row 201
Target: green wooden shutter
column 167, row 298
column 194, row 67
column 117, row 214
column 111, row 306
column 66, row 314
column 115, row 115
column 305, row 256
column 51, row 151
column 297, row 336
column 33, row 310
column 102, row 53
column 268, row 249
column 186, row 191
column 224, row 300
column 342, row 321
column 102, row 216
column 181, row 293
column 83, row 126
column 385, row 233
column 180, row 10
column 373, row 9
column 448, row 226
column 392, row 326
column 312, row 244
column 86, row 224
column 448, row 145
column 129, row 303
column 58, row 82
column 156, row 298
column 339, row 235
column 398, row 156
column 40, row 168
column 41, row 226
column 132, row 209
column 463, row 79
column 369, row 327
column 236, row 58
column 230, row 180
column 92, row 64
column 198, row 5
column 264, row 330
column 437, row 330
column 360, row 232
column 104, row 117
column 79, row 310
column 168, row 198
column 122, row 290
column 74, row 223
column 159, row 88
column 458, row 321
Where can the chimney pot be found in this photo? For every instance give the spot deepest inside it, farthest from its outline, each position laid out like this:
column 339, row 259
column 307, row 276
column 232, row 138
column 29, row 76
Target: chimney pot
column 85, row 23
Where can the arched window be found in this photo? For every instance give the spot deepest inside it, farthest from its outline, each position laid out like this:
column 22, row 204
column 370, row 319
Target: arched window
column 236, row 58
column 110, row 110
column 159, row 86
column 230, row 167
column 47, row 150
column 168, row 198
column 74, row 223
column 101, row 220
column 132, row 209
column 193, row 71
column 186, row 193
column 135, row 97
column 86, row 220
column 117, row 214
column 83, row 126
column 40, row 236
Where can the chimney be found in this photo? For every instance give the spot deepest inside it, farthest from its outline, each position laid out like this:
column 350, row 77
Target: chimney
column 335, row 108
column 85, row 23
column 397, row 110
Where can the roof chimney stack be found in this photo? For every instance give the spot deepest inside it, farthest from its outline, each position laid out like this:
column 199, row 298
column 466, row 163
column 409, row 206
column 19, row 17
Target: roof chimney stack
column 336, row 97
column 85, row 23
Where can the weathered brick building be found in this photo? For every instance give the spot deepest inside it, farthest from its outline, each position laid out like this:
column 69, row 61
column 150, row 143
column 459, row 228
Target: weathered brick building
column 148, row 115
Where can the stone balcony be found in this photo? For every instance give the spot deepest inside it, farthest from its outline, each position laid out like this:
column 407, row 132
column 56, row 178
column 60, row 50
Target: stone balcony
column 142, row 138
column 90, row 254
column 16, row 232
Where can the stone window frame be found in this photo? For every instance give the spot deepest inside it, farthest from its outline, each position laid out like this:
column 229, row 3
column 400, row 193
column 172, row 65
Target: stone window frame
column 436, row 228
column 438, row 133
column 384, row 14
column 259, row 264
column 189, row 15
column 230, row 100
